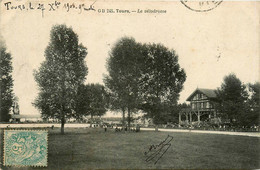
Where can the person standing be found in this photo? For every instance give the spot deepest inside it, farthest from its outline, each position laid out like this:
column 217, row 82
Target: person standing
column 105, row 127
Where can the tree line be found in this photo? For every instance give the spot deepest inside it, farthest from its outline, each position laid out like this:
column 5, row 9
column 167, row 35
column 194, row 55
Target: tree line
column 142, row 77
column 238, row 102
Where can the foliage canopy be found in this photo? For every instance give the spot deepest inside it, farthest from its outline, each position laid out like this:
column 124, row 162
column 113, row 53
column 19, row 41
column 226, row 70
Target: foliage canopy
column 61, row 74
column 6, row 84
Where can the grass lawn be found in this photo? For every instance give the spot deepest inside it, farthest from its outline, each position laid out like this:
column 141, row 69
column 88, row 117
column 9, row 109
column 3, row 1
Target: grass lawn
column 96, row 149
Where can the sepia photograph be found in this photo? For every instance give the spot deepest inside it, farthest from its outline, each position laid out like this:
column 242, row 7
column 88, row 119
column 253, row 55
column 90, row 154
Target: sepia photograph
column 134, row 84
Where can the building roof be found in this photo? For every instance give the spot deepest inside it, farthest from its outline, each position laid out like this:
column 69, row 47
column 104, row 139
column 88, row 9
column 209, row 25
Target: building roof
column 210, row 93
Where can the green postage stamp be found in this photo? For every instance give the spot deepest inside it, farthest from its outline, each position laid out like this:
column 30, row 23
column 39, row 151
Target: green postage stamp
column 25, row 147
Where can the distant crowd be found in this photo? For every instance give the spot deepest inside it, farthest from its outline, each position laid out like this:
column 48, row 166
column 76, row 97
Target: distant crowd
column 254, row 128
column 118, row 128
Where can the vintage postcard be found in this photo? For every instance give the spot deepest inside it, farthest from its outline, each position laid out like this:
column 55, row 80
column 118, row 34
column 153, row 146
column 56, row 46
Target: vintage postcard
column 133, row 84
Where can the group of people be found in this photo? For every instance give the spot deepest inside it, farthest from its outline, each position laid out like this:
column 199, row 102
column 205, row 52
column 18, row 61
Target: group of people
column 124, row 129
column 120, row 129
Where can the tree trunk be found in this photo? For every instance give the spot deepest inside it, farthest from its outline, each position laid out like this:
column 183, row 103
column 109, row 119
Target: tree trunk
column 123, row 121
column 91, row 119
column 129, row 117
column 156, row 128
column 62, row 124
column 179, row 118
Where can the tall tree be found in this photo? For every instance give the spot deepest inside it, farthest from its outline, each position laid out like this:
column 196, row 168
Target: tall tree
column 115, row 102
column 255, row 96
column 251, row 116
column 60, row 75
column 91, row 100
column 232, row 97
column 82, row 103
column 6, row 84
column 124, row 71
column 97, row 99
column 162, row 81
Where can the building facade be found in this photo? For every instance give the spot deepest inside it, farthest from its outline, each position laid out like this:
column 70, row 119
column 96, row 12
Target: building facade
column 202, row 106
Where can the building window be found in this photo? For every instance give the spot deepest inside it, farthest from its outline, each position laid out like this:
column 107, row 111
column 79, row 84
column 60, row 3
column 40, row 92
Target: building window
column 198, row 105
column 207, row 105
column 201, row 105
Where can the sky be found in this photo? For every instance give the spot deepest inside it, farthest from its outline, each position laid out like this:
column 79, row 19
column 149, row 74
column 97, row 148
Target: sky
column 210, row 45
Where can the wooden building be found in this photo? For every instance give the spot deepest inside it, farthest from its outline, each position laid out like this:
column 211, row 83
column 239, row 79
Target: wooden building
column 202, row 106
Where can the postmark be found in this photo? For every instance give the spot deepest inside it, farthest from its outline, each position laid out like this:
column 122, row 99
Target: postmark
column 201, row 6
column 25, row 148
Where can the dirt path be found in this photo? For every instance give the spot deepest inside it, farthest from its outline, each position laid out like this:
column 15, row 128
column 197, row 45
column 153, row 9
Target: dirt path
column 252, row 134
column 84, row 125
